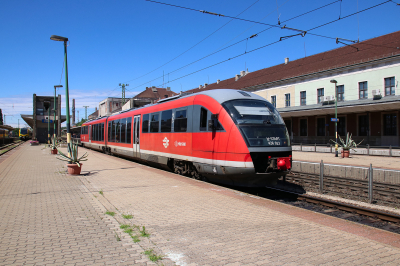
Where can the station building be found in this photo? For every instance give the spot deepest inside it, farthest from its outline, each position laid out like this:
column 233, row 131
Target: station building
column 41, row 118
column 367, row 83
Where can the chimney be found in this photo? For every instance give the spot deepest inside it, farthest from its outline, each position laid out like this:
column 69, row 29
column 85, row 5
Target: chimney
column 237, row 77
column 200, row 87
column 95, row 109
column 242, row 73
column 218, row 81
column 154, row 89
column 205, row 85
column 168, row 88
column 286, row 60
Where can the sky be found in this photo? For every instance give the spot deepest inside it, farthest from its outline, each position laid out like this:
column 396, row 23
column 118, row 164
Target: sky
column 144, row 43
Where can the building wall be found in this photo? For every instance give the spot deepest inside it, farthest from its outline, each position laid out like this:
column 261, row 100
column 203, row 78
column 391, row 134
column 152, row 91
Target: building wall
column 279, row 92
column 374, row 74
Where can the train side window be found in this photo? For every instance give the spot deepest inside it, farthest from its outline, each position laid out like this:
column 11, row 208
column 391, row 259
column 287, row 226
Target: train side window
column 180, row 121
column 109, row 130
column 217, row 124
column 203, row 119
column 166, row 121
column 154, row 122
column 118, row 131
column 145, row 126
column 128, row 129
column 123, row 130
column 102, row 131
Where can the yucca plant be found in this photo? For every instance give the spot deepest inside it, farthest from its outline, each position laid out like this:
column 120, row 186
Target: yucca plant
column 349, row 144
column 73, row 148
column 54, row 143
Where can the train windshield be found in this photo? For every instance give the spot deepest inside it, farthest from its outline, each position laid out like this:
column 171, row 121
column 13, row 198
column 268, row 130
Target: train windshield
column 259, row 122
column 24, row 131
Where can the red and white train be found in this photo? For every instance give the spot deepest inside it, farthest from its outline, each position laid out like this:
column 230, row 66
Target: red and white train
column 224, row 136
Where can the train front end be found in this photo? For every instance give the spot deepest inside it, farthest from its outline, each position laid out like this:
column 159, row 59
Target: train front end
column 259, row 135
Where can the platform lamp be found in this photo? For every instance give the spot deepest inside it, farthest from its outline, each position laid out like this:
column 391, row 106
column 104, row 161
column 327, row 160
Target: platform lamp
column 65, row 40
column 55, row 91
column 336, row 145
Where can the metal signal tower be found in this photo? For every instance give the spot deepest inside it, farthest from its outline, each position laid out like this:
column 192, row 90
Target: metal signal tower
column 123, row 92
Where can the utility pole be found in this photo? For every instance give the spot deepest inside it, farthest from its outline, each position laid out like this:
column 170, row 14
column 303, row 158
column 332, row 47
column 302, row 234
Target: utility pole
column 123, row 92
column 86, row 107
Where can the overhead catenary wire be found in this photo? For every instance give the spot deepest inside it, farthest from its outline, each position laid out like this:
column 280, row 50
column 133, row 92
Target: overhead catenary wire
column 264, row 46
column 193, row 45
column 252, row 36
column 333, row 38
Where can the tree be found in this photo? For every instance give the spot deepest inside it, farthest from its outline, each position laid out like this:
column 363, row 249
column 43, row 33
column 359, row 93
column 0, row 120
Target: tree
column 1, row 117
column 80, row 123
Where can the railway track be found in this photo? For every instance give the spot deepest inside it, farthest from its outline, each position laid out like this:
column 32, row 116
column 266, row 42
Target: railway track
column 356, row 188
column 6, row 148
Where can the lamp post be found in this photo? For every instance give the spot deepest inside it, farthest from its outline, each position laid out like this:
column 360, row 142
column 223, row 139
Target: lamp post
column 65, row 40
column 55, row 91
column 336, row 145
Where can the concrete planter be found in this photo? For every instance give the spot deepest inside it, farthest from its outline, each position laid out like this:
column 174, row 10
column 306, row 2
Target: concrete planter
column 74, row 169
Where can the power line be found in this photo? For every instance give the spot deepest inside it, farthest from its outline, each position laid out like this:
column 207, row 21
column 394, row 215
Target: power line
column 279, row 41
column 235, row 43
column 193, row 45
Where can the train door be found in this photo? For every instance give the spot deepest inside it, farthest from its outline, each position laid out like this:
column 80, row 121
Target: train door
column 136, row 136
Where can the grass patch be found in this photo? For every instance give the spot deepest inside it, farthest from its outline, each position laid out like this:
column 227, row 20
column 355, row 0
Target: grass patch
column 152, row 256
column 124, row 226
column 101, row 192
column 143, row 232
column 135, row 238
column 128, row 230
column 127, row 216
column 110, row 213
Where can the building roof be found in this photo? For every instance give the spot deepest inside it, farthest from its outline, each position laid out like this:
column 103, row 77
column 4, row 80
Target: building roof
column 94, row 114
column 369, row 50
column 155, row 93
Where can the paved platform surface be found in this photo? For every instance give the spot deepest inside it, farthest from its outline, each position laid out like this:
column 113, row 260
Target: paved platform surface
column 48, row 217
column 356, row 160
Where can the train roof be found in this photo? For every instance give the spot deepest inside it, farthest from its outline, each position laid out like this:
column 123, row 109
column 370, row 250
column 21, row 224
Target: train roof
column 220, row 95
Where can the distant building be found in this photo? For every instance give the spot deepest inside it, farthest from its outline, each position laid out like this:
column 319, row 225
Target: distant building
column 368, row 93
column 94, row 115
column 41, row 117
column 149, row 95
column 109, row 106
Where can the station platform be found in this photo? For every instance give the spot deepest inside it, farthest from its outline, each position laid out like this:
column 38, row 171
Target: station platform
column 49, row 217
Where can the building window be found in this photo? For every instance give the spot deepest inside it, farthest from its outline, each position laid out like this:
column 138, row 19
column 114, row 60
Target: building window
column 389, row 86
column 303, row 127
column 340, row 93
column 363, row 90
column 303, row 98
column 363, row 125
column 273, row 100
column 287, row 100
column 341, row 126
column 321, row 127
column 390, row 125
column 320, row 93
